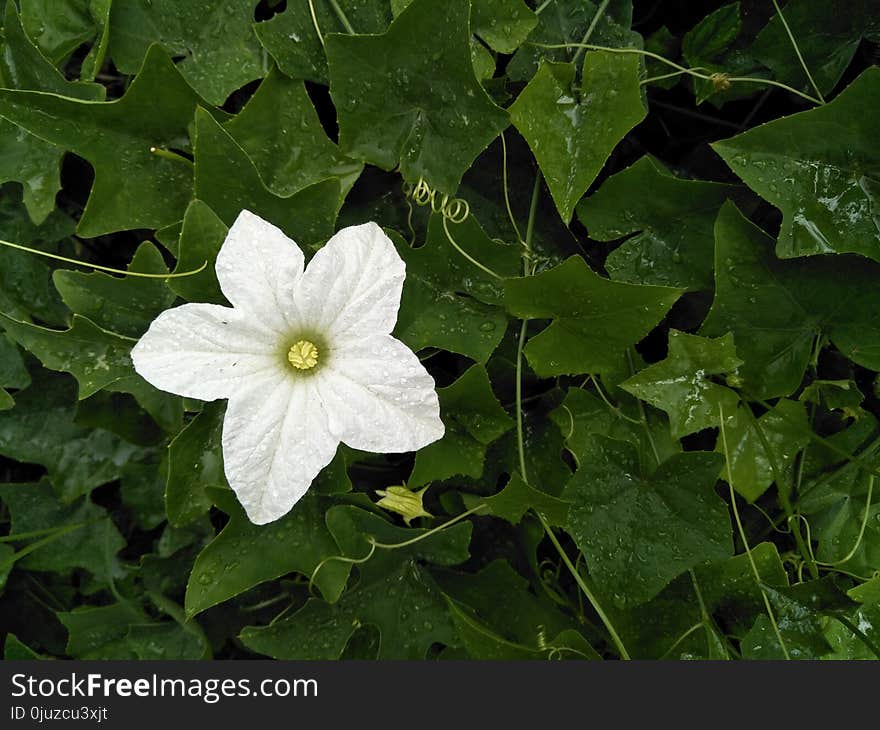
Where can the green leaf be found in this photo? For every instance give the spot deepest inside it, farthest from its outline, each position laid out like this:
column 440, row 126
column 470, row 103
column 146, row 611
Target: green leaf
column 13, row 373
column 799, row 612
column 201, row 236
column 827, row 40
column 95, row 357
column 728, row 590
column 785, row 430
column 228, row 181
column 98, row 359
column 503, row 24
column 517, row 498
column 221, row 52
column 133, row 187
column 394, row 594
column 58, row 27
column 500, row 597
column 681, row 386
column 567, row 21
column 99, row 632
column 291, row 39
column 405, row 606
column 637, row 533
column 91, row 540
column 582, row 417
column 26, row 289
column 41, row 430
column 141, row 488
column 409, row 97
column 195, row 461
column 281, row 133
column 474, row 419
column 712, row 36
column 594, row 319
column 244, row 555
column 842, row 504
column 482, row 642
column 444, row 295
column 672, row 220
column 94, row 60
column 126, row 305
column 776, row 308
column 835, row 395
column 14, row 648
column 26, row 158
column 571, row 129
column 822, row 169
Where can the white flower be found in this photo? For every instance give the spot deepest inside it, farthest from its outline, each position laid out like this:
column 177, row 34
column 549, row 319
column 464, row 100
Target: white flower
column 305, row 357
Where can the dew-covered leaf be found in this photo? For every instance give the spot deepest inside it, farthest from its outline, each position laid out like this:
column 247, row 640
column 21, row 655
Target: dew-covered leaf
column 572, row 129
column 409, row 96
column 594, row 319
column 776, row 308
column 227, row 180
column 444, row 295
column 784, row 430
column 281, row 133
column 671, row 220
column 474, row 419
column 244, row 555
column 122, row 305
column 821, row 168
column 637, row 533
column 683, row 385
column 83, row 535
column 220, row 51
column 133, row 188
column 41, row 429
column 290, row 36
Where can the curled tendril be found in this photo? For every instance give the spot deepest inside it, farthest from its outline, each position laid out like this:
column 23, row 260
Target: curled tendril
column 455, row 210
column 451, row 210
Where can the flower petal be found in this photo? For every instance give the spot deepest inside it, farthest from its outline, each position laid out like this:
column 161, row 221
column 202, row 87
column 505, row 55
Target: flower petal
column 275, row 441
column 379, row 397
column 204, row 351
column 258, row 268
column 353, row 283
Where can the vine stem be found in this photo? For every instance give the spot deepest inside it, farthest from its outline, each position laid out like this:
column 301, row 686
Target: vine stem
column 797, row 50
column 109, row 269
column 742, row 535
column 315, row 22
column 615, row 637
column 791, row 515
column 528, row 270
column 342, row 18
column 682, row 69
column 596, row 18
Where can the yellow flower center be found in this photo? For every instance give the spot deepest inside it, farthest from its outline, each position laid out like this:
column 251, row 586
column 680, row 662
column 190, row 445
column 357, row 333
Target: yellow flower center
column 303, row 355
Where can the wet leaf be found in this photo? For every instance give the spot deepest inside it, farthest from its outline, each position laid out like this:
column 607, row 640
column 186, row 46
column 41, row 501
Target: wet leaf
column 776, row 308
column 220, row 51
column 671, row 220
column 409, row 96
column 683, row 385
column 572, row 129
column 594, row 319
column 133, row 187
column 227, row 181
column 821, row 168
column 638, row 533
column 474, row 419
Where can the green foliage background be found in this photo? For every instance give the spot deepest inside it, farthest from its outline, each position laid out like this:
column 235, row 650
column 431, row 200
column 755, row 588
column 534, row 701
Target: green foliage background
column 655, row 333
